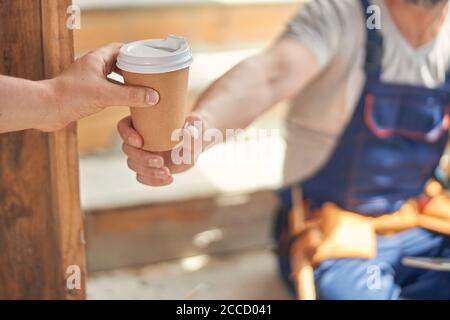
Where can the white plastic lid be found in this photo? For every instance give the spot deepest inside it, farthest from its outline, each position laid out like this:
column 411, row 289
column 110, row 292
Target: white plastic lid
column 155, row 55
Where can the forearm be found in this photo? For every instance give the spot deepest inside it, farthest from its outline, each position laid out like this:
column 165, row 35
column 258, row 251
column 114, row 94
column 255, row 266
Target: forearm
column 238, row 97
column 25, row 104
column 253, row 86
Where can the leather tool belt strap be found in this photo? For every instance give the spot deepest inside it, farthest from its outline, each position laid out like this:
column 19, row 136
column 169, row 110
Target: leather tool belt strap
column 334, row 233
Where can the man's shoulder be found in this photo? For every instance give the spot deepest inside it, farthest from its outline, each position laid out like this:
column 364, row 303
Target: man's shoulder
column 336, row 5
column 345, row 11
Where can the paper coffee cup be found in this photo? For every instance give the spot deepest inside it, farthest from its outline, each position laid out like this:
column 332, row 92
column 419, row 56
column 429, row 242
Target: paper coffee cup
column 161, row 64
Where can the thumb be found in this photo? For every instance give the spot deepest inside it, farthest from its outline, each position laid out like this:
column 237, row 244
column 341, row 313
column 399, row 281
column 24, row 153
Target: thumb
column 131, row 96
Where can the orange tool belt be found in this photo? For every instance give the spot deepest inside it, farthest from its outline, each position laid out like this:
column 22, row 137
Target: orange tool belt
column 334, row 233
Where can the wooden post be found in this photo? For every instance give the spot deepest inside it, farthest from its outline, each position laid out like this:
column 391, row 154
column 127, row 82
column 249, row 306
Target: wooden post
column 41, row 226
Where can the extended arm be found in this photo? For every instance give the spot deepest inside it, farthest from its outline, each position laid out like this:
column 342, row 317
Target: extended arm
column 79, row 91
column 256, row 84
column 24, row 104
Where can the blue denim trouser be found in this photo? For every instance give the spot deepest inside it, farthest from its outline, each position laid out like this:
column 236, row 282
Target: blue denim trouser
column 384, row 277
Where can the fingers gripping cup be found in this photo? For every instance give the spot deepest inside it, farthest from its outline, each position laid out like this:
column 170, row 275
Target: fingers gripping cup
column 161, row 64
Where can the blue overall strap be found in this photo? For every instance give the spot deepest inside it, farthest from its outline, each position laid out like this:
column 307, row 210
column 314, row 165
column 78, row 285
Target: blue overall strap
column 374, row 44
column 447, row 77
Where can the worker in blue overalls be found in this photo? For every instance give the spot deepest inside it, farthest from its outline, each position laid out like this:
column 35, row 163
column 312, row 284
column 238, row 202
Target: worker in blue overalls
column 369, row 85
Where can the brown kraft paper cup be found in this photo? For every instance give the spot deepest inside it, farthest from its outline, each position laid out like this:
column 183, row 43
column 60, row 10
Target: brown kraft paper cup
column 157, row 123
column 163, row 65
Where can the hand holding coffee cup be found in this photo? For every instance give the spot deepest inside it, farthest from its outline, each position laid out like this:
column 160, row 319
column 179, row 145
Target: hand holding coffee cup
column 163, row 65
column 156, row 168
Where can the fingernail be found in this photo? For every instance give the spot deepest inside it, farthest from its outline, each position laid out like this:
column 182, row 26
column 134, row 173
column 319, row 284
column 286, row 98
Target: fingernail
column 155, row 163
column 133, row 141
column 161, row 174
column 151, row 97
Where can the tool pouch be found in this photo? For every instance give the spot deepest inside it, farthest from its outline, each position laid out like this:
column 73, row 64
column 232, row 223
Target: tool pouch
column 342, row 234
column 334, row 233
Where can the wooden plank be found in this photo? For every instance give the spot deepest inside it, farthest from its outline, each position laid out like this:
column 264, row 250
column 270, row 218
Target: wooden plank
column 211, row 24
column 145, row 234
column 40, row 217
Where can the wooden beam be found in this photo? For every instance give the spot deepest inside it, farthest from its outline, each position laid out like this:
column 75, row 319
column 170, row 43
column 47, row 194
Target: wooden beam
column 132, row 236
column 211, row 23
column 40, row 218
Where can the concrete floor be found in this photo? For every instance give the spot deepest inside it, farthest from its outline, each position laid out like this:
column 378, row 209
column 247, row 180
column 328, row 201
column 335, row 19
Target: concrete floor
column 245, row 275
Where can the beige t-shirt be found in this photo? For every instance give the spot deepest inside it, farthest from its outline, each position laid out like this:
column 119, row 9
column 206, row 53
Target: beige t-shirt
column 335, row 31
